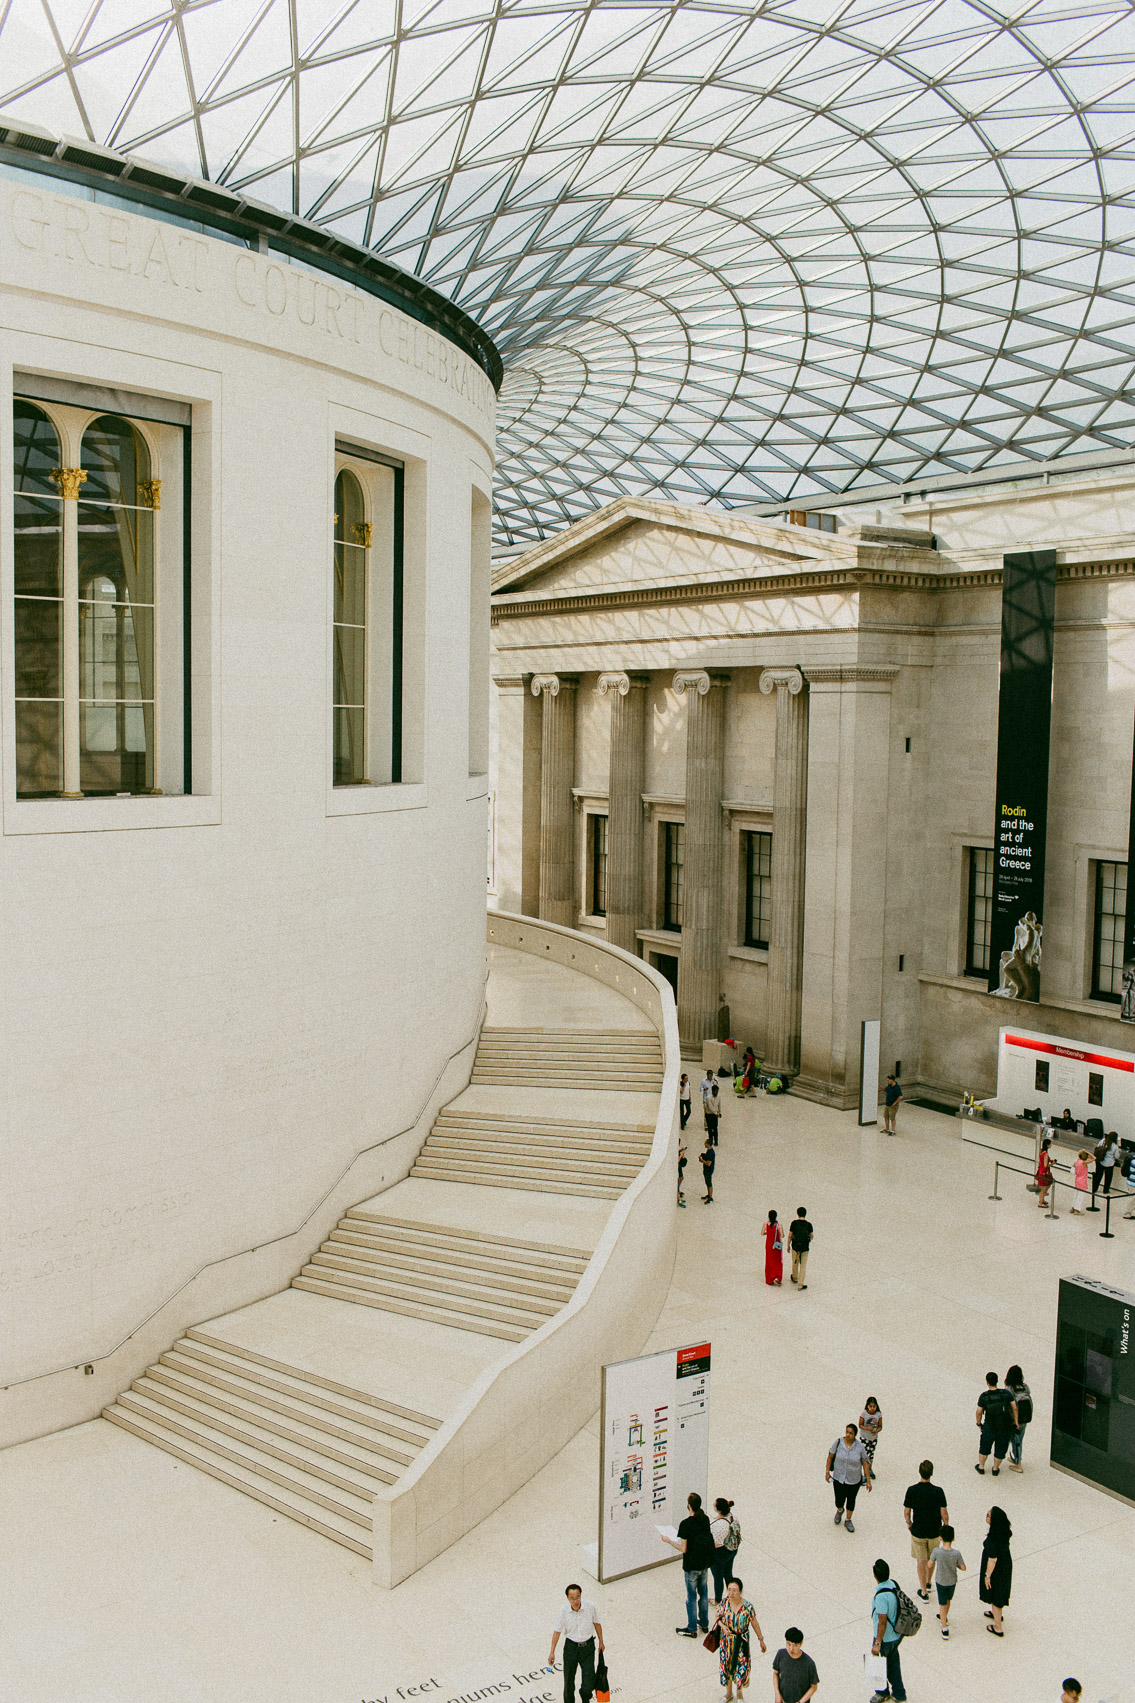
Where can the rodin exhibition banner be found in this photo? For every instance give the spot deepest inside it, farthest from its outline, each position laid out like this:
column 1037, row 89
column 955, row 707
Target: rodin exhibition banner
column 1127, row 1001
column 1024, row 718
column 654, row 1450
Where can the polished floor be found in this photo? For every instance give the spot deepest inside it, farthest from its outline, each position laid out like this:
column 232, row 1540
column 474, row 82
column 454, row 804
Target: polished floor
column 127, row 1577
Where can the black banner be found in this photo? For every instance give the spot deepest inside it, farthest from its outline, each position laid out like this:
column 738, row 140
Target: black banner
column 1127, row 1003
column 1024, row 718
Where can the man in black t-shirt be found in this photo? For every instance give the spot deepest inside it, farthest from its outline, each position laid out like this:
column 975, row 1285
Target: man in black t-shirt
column 997, row 1417
column 800, row 1236
column 694, row 1544
column 926, row 1513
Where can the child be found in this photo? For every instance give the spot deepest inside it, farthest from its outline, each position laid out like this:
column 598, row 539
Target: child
column 945, row 1565
column 681, row 1171
column 1044, row 1174
column 1081, row 1169
column 870, row 1424
column 1073, row 1691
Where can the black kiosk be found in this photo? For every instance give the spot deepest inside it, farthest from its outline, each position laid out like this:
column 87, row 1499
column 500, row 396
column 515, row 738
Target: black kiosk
column 1093, row 1406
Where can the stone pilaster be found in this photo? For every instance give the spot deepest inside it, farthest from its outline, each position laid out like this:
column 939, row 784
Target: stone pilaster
column 557, row 773
column 700, row 966
column 789, row 822
column 624, row 807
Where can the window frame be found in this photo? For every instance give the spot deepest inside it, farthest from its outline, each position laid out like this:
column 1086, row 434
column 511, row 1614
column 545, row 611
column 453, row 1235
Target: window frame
column 972, row 967
column 673, row 833
column 1117, row 942
column 71, row 413
column 597, row 858
column 750, row 837
column 361, row 461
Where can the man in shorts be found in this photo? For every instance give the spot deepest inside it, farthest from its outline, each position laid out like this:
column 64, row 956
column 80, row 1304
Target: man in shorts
column 997, row 1418
column 926, row 1513
column 892, row 1094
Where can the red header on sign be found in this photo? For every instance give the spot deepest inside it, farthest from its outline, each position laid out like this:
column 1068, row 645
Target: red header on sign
column 701, row 1352
column 1070, row 1052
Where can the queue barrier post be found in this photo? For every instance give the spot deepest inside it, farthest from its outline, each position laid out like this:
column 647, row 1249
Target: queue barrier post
column 1107, row 1232
column 996, row 1169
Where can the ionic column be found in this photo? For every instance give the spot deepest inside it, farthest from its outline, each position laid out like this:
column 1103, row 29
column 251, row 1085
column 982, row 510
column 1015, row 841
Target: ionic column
column 624, row 807
column 789, row 822
column 557, row 772
column 699, row 969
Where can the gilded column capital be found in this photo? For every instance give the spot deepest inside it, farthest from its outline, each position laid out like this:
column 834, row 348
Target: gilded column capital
column 620, row 682
column 68, row 480
column 698, row 680
column 551, row 683
column 789, row 678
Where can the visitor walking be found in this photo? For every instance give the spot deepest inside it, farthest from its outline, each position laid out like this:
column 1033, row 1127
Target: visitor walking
column 945, row 1565
column 1043, row 1173
column 726, row 1542
column 712, row 1105
column 848, row 1466
column 708, row 1159
column 1023, row 1401
column 1080, row 1178
column 684, row 1100
column 681, row 1174
column 926, row 1513
column 996, row 1583
column 774, row 1250
column 1110, row 1159
column 885, row 1635
column 1129, row 1174
column 794, row 1675
column 577, row 1625
column 870, row 1425
column 997, row 1419
column 734, row 1618
column 694, row 1544
column 1098, row 1152
column 800, row 1236
column 892, row 1097
column 707, row 1082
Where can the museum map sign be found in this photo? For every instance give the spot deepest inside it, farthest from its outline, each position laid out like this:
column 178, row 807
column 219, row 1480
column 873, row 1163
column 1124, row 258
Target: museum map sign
column 1024, row 716
column 654, row 1451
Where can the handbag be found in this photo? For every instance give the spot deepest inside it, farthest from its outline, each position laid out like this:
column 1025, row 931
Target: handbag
column 875, row 1671
column 602, row 1682
column 712, row 1639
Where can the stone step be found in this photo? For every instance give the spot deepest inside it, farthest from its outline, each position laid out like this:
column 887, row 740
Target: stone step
column 292, row 1506
column 412, row 1309
column 555, row 1141
column 523, row 1312
column 412, row 1282
column 359, row 1233
column 357, row 1477
column 523, row 1079
column 441, row 1172
column 301, row 1375
column 455, row 1235
column 351, row 1506
column 394, row 1258
column 337, row 1444
column 566, row 1163
column 528, row 1121
column 647, row 1036
column 188, row 1357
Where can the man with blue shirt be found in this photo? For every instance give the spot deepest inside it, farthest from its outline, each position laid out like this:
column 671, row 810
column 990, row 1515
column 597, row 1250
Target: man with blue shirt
column 886, row 1641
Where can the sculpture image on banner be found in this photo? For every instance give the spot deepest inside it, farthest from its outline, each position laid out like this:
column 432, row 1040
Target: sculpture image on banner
column 1019, row 969
column 654, row 1450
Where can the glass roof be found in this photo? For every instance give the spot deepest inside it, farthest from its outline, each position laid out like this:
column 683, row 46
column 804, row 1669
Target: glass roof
column 729, row 252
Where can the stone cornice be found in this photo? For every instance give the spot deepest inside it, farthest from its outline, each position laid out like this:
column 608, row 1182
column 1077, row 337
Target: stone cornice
column 813, row 582
column 850, row 673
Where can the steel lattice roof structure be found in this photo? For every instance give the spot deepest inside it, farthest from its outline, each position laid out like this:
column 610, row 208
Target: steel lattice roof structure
column 729, row 252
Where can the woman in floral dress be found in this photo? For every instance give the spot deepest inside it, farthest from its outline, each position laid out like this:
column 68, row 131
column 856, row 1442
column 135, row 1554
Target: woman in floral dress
column 734, row 1618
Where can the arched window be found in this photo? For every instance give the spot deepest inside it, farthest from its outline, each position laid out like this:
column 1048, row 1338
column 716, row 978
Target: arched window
column 116, row 610
column 349, row 689
column 38, row 523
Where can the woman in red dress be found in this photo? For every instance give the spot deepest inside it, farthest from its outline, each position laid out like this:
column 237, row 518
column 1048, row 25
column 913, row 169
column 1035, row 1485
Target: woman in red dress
column 774, row 1250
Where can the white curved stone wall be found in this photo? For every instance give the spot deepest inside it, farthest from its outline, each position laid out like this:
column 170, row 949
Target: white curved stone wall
column 531, row 1402
column 212, row 1005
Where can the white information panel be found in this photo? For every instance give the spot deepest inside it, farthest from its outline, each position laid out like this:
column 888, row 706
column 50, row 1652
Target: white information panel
column 654, row 1451
column 869, row 1071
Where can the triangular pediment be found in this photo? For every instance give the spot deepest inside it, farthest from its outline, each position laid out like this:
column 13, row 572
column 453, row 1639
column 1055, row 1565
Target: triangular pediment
column 638, row 543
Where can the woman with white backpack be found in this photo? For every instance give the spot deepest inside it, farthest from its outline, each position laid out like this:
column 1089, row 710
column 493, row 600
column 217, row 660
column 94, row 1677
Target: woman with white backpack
column 726, row 1542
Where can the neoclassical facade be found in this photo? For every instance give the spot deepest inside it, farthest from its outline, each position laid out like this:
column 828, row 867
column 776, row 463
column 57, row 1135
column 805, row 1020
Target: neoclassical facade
column 244, row 582
column 763, row 755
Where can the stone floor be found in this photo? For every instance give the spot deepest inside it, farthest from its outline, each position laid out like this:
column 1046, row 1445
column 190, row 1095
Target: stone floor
column 127, row 1577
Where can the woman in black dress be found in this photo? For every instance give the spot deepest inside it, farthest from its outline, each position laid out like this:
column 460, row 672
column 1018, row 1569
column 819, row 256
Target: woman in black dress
column 996, row 1581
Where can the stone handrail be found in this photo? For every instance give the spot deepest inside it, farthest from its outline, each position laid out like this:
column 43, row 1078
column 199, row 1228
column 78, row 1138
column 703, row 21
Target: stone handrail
column 525, row 1407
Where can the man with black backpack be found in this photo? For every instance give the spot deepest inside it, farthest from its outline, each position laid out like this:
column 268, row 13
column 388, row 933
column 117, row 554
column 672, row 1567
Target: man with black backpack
column 893, row 1618
column 997, row 1419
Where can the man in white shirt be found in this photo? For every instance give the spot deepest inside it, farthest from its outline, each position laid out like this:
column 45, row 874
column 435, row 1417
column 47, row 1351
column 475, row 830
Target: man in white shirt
column 577, row 1623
